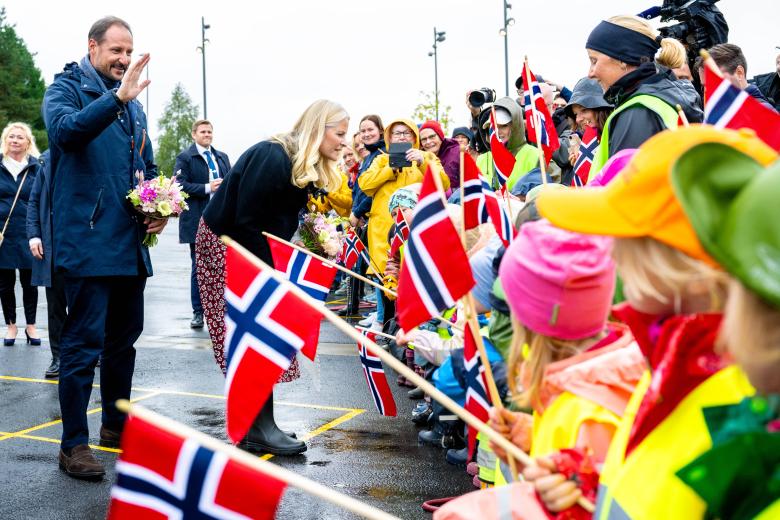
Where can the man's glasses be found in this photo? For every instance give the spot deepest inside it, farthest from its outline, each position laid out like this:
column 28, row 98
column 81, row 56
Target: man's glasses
column 405, row 133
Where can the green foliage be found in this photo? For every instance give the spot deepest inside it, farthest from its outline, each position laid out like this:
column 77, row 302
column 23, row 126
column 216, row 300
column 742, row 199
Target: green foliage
column 175, row 129
column 21, row 84
column 427, row 110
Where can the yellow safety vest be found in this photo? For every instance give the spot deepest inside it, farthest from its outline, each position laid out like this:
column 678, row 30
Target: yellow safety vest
column 526, row 159
column 559, row 426
column 665, row 111
column 644, row 486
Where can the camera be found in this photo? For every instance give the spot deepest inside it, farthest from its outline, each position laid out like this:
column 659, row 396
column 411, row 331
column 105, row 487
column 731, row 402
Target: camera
column 479, row 97
column 701, row 24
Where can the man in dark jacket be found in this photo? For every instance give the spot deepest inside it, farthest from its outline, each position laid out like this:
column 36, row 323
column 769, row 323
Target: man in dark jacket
column 200, row 170
column 733, row 65
column 769, row 84
column 99, row 143
column 39, row 236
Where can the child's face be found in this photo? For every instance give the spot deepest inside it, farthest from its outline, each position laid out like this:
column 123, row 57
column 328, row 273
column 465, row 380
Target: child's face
column 751, row 334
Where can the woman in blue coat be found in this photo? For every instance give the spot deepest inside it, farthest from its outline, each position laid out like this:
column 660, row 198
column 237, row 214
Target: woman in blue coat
column 18, row 167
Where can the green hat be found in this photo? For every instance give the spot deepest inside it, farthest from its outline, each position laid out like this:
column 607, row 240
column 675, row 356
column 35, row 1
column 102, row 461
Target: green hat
column 733, row 204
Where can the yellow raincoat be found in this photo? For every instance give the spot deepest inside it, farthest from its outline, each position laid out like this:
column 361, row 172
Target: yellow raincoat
column 340, row 200
column 380, row 181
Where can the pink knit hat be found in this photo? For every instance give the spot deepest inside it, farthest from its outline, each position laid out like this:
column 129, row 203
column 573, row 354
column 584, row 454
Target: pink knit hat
column 558, row 283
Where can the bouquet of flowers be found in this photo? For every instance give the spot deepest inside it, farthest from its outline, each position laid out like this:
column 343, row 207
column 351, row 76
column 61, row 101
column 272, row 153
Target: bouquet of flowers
column 322, row 235
column 157, row 198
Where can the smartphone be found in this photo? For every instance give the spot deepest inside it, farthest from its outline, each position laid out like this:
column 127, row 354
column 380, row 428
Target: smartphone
column 397, row 153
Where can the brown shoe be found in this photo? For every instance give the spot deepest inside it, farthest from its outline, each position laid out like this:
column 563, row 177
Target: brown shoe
column 81, row 463
column 109, row 438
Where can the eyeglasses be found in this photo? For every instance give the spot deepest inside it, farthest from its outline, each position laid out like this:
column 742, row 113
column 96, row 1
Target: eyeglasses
column 405, row 133
column 429, row 138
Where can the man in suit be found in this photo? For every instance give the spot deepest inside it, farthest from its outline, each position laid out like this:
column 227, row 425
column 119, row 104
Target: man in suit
column 98, row 140
column 200, row 170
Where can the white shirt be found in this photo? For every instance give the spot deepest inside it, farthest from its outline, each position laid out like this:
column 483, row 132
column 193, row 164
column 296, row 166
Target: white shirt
column 13, row 166
column 201, row 152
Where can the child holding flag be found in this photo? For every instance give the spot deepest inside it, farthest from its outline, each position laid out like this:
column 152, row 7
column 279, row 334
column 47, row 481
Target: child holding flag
column 674, row 291
column 575, row 370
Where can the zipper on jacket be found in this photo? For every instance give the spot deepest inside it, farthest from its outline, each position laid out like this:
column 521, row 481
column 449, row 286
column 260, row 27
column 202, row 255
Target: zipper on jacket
column 95, row 210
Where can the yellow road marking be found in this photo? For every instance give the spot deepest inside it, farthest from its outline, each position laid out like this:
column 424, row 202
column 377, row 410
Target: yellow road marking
column 186, row 394
column 325, row 427
column 350, row 414
column 58, row 421
column 58, row 441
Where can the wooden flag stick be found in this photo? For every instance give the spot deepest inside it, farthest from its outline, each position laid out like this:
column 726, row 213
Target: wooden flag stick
column 387, row 358
column 537, row 122
column 263, row 466
column 495, row 397
column 343, row 269
column 683, row 118
column 462, row 202
column 710, row 63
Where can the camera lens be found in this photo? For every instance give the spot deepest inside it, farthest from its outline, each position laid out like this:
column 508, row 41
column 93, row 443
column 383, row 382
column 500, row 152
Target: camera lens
column 477, row 98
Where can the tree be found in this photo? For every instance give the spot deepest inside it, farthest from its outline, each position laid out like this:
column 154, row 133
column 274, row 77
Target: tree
column 175, row 129
column 21, row 84
column 427, row 110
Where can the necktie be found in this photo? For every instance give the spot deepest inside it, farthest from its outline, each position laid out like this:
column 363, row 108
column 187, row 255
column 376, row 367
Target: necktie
column 212, row 166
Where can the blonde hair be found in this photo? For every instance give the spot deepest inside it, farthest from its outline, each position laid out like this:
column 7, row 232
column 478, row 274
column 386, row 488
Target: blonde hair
column 672, row 52
column 526, row 376
column 648, row 266
column 751, row 333
column 32, row 149
column 302, row 145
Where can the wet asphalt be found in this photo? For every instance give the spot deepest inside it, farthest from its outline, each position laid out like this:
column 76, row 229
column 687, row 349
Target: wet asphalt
column 351, row 447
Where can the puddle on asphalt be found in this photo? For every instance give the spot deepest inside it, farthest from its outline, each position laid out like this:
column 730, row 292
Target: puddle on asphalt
column 337, row 440
column 30, row 457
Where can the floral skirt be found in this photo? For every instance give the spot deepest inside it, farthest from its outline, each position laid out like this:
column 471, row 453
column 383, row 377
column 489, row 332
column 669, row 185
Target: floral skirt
column 210, row 271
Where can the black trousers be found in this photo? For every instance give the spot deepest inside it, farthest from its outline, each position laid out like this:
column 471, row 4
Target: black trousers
column 56, row 306
column 8, row 297
column 105, row 318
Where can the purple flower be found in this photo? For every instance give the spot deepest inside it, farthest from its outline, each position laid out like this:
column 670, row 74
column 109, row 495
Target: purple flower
column 148, row 194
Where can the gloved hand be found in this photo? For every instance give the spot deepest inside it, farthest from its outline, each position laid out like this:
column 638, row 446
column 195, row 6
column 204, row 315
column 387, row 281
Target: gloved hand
column 390, row 282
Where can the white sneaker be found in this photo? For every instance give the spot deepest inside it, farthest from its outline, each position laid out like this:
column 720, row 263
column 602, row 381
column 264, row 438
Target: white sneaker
column 376, row 326
column 368, row 320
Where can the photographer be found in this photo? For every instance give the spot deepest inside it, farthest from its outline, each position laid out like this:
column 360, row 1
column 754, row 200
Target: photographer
column 511, row 130
column 621, row 52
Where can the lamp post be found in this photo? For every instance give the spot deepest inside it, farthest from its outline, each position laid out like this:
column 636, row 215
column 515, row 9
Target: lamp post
column 202, row 49
column 504, row 32
column 438, row 36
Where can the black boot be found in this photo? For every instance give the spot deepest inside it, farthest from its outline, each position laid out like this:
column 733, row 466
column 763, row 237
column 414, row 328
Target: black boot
column 265, row 436
column 54, row 369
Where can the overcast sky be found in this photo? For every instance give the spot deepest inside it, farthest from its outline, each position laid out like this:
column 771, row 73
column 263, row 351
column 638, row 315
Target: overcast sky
column 268, row 60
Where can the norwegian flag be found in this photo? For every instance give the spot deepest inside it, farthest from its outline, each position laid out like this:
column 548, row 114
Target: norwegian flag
column 163, row 475
column 727, row 106
column 265, row 326
column 480, row 203
column 534, row 107
column 308, row 273
column 503, row 160
column 313, row 276
column 353, row 250
column 588, row 145
column 435, row 271
column 401, row 233
column 478, row 401
column 376, row 378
